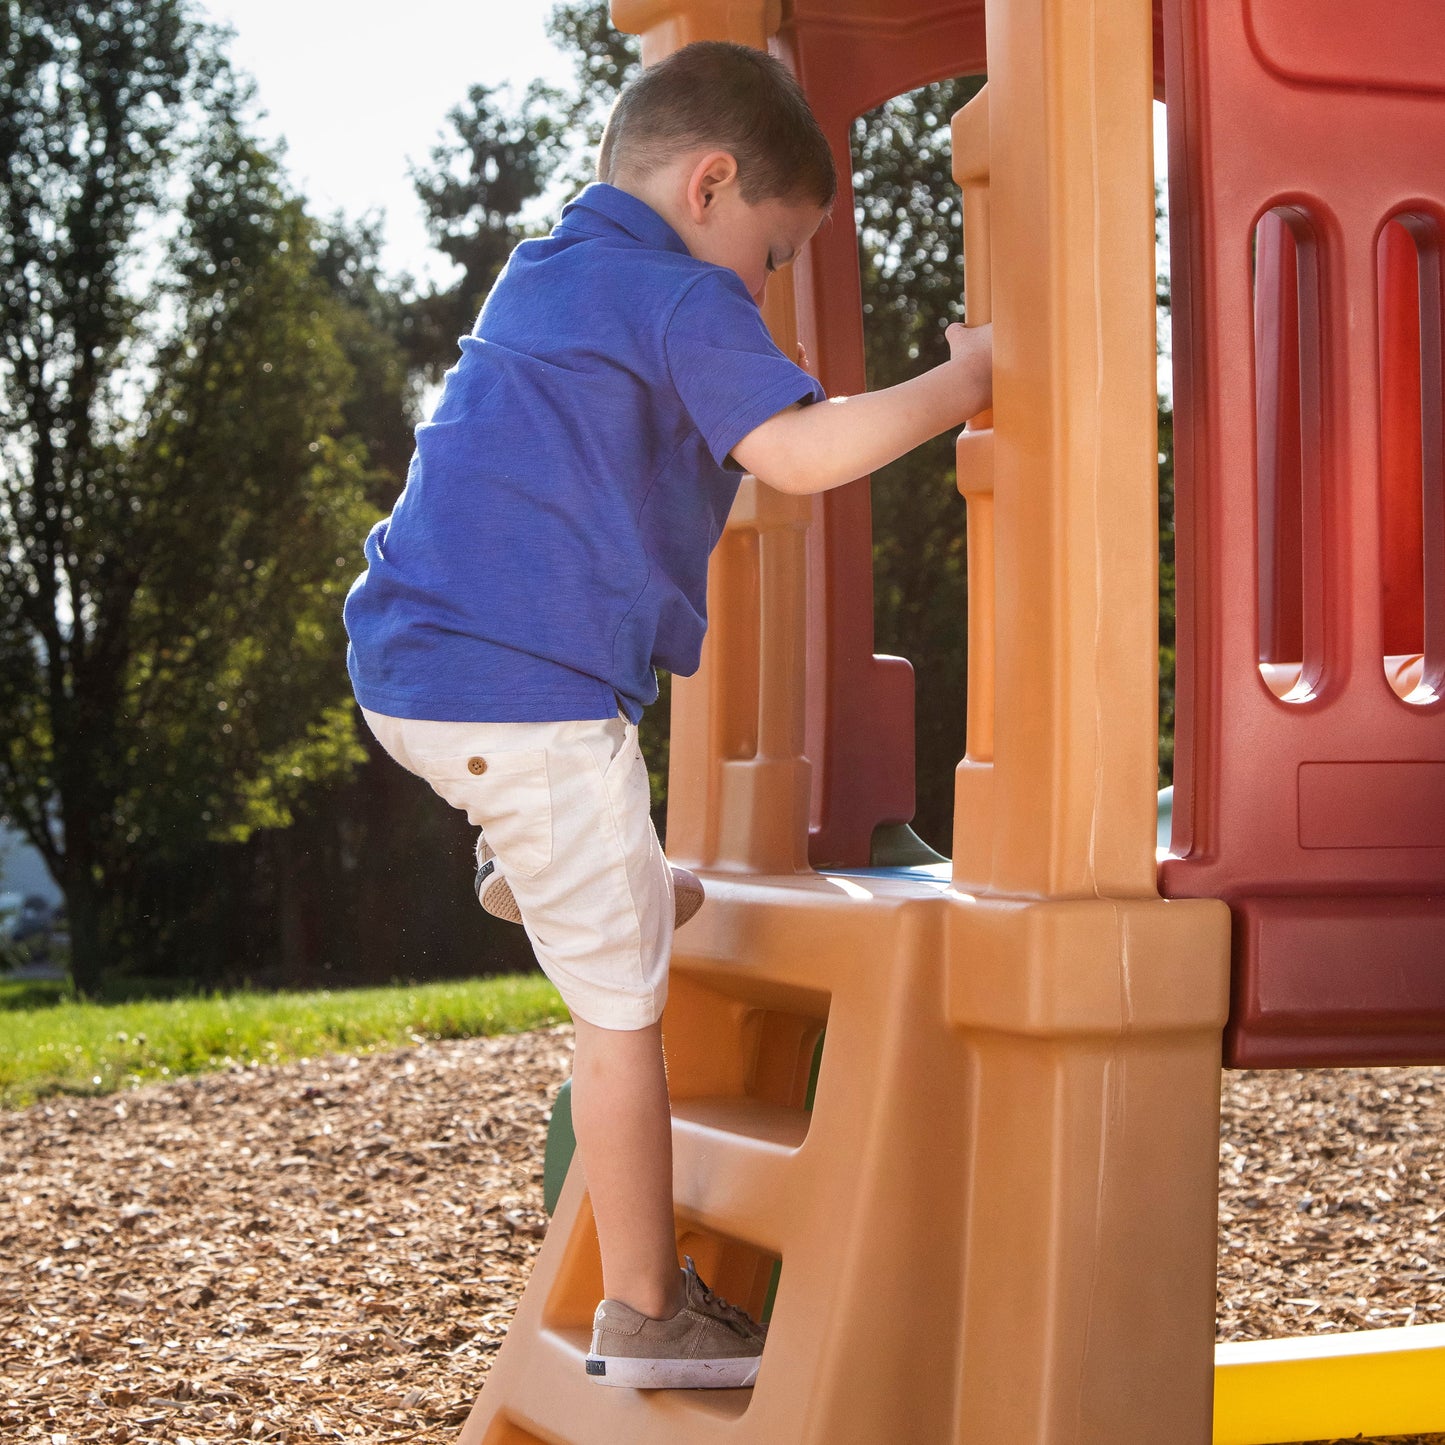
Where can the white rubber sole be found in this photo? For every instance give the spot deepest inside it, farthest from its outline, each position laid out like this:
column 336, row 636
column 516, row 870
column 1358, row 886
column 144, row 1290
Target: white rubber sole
column 632, row 1374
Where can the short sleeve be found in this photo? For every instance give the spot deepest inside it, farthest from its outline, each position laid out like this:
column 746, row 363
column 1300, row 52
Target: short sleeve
column 726, row 367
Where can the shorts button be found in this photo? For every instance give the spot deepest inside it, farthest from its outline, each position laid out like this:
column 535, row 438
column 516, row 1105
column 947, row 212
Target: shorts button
column 477, row 766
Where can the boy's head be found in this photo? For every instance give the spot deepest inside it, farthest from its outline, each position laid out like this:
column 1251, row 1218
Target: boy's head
column 731, row 97
column 719, row 140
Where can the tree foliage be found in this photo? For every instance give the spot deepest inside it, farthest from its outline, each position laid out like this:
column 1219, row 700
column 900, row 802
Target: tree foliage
column 606, row 60
column 494, row 162
column 501, row 155
column 180, row 496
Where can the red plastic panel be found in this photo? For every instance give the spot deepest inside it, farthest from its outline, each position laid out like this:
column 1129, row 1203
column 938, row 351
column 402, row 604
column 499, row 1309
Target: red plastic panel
column 1350, row 42
column 1321, row 819
column 1371, row 805
column 1333, row 1011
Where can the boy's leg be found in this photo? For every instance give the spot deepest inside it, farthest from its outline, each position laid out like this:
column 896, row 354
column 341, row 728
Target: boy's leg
column 575, row 835
column 624, row 1139
column 566, row 807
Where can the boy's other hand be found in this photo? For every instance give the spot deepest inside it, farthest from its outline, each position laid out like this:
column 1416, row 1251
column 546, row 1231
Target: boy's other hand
column 803, row 359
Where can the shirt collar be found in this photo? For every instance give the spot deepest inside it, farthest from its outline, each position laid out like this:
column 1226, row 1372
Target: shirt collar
column 602, row 208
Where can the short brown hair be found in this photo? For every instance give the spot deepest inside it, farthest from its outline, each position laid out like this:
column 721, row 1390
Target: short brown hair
column 742, row 100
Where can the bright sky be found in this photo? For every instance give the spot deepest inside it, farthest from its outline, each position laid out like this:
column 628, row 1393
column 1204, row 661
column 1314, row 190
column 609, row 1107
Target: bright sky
column 361, row 90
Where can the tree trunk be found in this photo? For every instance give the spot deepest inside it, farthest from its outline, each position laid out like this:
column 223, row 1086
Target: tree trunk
column 85, row 906
column 81, row 876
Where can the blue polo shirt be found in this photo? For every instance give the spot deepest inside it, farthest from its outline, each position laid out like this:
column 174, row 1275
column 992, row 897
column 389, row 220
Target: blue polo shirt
column 550, row 547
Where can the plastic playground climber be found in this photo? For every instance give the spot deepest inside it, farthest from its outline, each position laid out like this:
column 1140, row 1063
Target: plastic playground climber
column 983, row 1207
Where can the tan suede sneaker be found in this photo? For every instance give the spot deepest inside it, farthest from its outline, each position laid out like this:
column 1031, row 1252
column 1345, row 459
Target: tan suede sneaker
column 707, row 1345
column 494, row 893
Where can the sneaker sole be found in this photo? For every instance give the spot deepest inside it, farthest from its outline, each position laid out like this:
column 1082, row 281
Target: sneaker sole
column 687, row 896
column 632, row 1374
column 497, row 898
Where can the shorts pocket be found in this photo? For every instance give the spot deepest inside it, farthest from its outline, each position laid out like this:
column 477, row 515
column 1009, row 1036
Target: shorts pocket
column 505, row 793
column 621, row 743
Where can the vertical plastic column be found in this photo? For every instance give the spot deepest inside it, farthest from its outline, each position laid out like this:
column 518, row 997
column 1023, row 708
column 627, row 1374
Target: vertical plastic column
column 973, row 780
column 738, row 781
column 1089, row 1007
column 1071, row 205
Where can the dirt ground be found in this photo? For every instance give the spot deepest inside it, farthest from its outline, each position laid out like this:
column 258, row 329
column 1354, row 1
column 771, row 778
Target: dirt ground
column 332, row 1250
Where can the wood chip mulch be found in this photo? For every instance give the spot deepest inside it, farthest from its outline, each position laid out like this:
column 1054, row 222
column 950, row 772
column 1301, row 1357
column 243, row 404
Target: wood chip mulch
column 332, row 1250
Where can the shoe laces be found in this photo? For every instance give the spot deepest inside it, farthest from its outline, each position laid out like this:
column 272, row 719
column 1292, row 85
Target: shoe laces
column 729, row 1314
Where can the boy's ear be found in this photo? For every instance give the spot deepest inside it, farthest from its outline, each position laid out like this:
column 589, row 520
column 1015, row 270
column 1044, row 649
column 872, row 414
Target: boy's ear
column 713, row 174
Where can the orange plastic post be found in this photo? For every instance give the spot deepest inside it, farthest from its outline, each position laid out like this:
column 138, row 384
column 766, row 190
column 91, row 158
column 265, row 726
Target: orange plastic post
column 668, row 25
column 973, row 783
column 996, row 1222
column 1092, row 1007
column 738, row 779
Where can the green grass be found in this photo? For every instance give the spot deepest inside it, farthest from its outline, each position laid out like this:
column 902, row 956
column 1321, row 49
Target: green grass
column 54, row 1043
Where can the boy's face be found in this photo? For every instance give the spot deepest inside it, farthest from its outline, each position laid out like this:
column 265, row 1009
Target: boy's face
column 754, row 238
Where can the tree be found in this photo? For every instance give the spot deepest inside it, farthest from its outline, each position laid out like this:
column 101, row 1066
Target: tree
column 180, row 498
column 606, row 60
column 369, row 322
column 482, row 177
column 503, row 155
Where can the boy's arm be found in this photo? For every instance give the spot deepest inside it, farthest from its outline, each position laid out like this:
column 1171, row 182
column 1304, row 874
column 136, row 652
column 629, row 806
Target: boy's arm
column 813, row 448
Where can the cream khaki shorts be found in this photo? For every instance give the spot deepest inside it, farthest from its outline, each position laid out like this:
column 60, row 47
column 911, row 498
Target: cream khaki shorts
column 565, row 807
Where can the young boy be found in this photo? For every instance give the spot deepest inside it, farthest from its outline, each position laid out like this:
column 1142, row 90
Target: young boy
column 550, row 550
